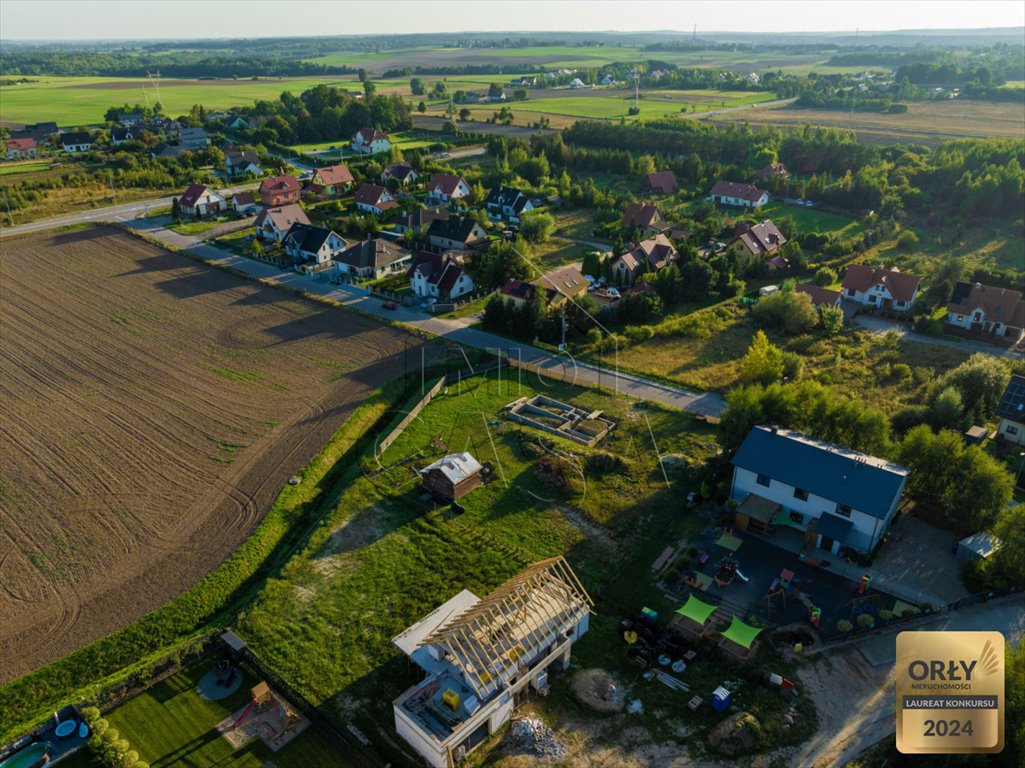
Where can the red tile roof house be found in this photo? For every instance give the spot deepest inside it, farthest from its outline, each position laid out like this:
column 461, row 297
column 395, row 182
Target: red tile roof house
column 370, row 141
column 445, row 187
column 647, row 218
column 655, row 252
column 280, row 190
column 200, row 200
column 331, row 181
column 999, row 312
column 662, row 182
column 820, row 297
column 373, row 198
column 773, row 170
column 882, row 288
column 243, row 202
column 741, row 195
column 440, row 276
column 274, row 223
column 19, row 148
column 759, row 240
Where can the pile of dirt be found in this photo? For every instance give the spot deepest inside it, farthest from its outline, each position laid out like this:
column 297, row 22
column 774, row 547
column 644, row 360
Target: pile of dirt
column 532, row 737
column 599, row 690
column 736, row 735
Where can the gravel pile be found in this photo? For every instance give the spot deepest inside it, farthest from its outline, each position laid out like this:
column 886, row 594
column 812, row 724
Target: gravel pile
column 533, row 737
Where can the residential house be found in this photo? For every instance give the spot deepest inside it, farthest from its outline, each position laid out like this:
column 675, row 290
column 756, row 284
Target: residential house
column 576, row 82
column 458, row 233
column 331, row 181
column 878, row 287
column 199, row 200
column 439, row 276
column 518, row 292
column 662, row 182
column 76, row 141
column 742, row 195
column 274, row 223
column 471, row 98
column 370, row 141
column 132, row 119
column 773, row 171
column 243, row 203
column 1011, row 411
column 831, row 495
column 758, row 240
column 38, row 132
column 452, row 476
column 280, row 190
column 241, row 162
column 374, row 258
column 403, row 174
column 478, row 657
column 1000, row 312
column 650, row 255
column 119, row 135
column 193, row 139
column 164, row 151
column 507, row 203
column 239, row 124
column 166, row 125
column 309, row 245
column 777, row 263
column 567, row 282
column 446, row 187
column 820, row 297
column 18, row 149
column 373, row 198
column 647, row 218
column 607, row 80
column 419, row 221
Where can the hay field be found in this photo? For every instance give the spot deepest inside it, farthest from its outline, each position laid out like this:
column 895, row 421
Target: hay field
column 151, row 409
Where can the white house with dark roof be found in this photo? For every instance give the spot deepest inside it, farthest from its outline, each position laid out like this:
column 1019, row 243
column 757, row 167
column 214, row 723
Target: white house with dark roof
column 1011, row 411
column 200, row 200
column 740, row 195
column 446, row 187
column 370, row 141
column 999, row 312
column 507, row 203
column 309, row 245
column 374, row 258
column 836, row 497
column 439, row 276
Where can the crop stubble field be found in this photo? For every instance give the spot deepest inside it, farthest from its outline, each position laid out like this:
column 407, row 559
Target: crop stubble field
column 150, row 411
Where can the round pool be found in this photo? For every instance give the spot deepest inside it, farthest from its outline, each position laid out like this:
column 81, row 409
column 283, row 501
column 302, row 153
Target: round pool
column 30, row 757
column 65, row 729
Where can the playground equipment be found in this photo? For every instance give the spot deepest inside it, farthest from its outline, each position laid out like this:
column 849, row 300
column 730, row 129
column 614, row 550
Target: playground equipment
column 726, row 571
column 866, row 582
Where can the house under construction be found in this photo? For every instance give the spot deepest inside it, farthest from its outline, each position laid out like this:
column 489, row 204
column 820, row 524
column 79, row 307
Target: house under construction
column 480, row 654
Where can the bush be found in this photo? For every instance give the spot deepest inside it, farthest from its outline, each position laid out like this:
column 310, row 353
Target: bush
column 825, row 276
column 844, row 626
column 908, row 417
column 900, row 371
column 865, row 620
column 907, row 240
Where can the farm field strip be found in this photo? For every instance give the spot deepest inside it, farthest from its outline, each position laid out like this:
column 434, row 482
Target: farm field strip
column 150, row 411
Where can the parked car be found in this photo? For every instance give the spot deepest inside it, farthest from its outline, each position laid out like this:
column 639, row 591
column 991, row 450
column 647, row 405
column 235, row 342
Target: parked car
column 390, row 305
column 808, row 204
column 798, row 201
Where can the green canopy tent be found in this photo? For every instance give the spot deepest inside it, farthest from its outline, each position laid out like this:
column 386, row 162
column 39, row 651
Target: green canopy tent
column 696, row 610
column 741, row 634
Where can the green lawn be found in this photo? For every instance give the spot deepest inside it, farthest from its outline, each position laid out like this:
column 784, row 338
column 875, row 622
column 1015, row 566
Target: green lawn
column 401, row 139
column 199, row 226
column 172, row 725
column 10, row 170
column 83, row 100
column 812, row 220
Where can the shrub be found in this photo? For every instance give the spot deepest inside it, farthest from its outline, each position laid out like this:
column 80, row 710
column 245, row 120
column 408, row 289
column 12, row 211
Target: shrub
column 636, row 333
column 901, row 371
column 554, row 472
column 865, row 620
column 825, row 276
column 907, row 240
column 844, row 626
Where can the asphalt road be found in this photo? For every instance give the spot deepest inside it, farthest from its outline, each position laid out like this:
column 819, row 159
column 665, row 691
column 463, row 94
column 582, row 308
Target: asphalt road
column 879, row 325
column 455, row 330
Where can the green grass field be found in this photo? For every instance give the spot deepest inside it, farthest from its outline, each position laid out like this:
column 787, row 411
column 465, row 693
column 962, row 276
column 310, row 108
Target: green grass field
column 171, row 725
column 11, row 170
column 401, row 139
column 84, row 100
column 811, row 220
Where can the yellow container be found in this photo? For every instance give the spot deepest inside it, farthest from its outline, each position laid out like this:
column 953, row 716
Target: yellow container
column 451, row 699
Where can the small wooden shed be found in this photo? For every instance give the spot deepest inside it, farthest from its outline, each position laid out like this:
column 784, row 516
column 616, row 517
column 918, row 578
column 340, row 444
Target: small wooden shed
column 453, row 476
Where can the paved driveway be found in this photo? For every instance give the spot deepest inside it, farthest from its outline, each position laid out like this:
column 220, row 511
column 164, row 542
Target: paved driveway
column 916, row 564
column 878, row 325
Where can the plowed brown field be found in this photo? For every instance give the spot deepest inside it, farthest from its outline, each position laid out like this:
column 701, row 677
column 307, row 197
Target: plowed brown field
column 150, row 411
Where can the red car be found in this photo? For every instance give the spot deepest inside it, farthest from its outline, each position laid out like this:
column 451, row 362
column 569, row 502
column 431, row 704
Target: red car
column 390, row 305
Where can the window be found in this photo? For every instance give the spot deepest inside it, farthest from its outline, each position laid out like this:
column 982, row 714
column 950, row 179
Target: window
column 1011, row 429
column 796, row 517
column 872, row 299
column 800, row 493
column 843, row 509
column 764, row 480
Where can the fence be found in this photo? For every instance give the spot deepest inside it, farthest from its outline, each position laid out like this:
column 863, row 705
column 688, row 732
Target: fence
column 392, row 436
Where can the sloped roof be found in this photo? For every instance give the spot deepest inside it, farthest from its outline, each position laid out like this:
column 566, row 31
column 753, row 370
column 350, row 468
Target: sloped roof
column 1001, row 305
column 283, row 217
column 748, row 192
column 862, row 482
column 772, row 169
column 567, row 280
column 76, row 137
column 861, row 277
column 456, row 466
column 372, row 194
column 331, row 175
column 662, row 180
column 819, row 295
column 21, row 144
column 371, row 134
column 279, row 184
column 499, row 197
column 193, row 194
column 117, row 133
column 762, row 238
column 1012, row 403
column 456, row 228
column 400, row 171
column 643, row 215
column 244, row 198
column 421, row 217
column 834, row 527
column 307, row 237
column 655, row 250
column 446, row 182
column 376, row 253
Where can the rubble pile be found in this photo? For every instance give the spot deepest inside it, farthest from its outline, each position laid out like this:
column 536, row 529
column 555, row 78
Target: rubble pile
column 533, row 737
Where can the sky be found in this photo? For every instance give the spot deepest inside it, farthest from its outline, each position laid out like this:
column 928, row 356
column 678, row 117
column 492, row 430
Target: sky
column 193, row 19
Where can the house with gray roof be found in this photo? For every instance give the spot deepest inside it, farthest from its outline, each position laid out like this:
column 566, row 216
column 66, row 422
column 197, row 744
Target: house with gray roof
column 832, row 496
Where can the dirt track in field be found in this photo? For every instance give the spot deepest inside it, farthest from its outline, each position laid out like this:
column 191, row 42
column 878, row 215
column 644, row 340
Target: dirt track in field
column 151, row 409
